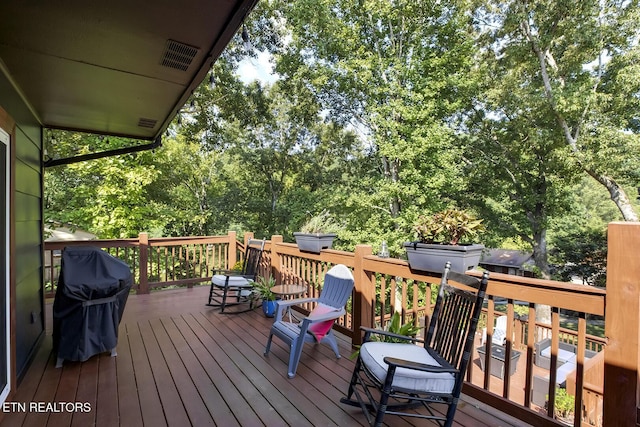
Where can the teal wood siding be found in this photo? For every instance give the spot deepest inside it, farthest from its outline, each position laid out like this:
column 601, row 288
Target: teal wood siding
column 27, row 199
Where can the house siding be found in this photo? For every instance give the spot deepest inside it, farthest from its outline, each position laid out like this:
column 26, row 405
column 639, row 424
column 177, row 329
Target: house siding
column 27, row 222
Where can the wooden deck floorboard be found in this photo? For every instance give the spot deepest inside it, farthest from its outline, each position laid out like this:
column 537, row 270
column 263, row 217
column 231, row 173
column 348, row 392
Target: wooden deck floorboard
column 181, row 363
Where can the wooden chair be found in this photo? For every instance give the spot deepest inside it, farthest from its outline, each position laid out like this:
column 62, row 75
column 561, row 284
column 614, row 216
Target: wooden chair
column 499, row 336
column 231, row 288
column 397, row 378
column 317, row 327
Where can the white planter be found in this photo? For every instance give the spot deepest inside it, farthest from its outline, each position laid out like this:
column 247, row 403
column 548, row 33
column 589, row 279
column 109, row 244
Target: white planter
column 433, row 257
column 314, row 242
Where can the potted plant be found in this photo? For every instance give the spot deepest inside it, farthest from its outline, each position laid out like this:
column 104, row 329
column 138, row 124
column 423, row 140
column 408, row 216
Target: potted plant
column 395, row 326
column 564, row 406
column 262, row 290
column 317, row 233
column 440, row 240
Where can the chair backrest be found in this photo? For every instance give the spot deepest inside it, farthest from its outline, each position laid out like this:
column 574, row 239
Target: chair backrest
column 501, row 323
column 338, row 286
column 455, row 317
column 252, row 257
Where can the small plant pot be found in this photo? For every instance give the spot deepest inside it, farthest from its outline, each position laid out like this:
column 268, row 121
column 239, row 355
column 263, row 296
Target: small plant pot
column 269, row 308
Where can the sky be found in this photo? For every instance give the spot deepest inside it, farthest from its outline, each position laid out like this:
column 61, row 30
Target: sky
column 259, row 68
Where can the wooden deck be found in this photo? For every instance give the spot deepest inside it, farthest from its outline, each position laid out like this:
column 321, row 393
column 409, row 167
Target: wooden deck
column 182, row 363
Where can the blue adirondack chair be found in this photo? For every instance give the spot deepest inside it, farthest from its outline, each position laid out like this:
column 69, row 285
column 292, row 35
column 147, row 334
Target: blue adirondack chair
column 317, row 326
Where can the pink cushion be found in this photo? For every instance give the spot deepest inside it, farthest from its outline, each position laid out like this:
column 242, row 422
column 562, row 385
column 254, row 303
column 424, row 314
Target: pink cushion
column 320, row 329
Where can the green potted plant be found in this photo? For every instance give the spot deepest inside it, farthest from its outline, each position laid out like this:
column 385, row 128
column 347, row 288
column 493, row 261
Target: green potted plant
column 317, row 233
column 395, row 326
column 440, row 239
column 262, row 290
column 564, row 406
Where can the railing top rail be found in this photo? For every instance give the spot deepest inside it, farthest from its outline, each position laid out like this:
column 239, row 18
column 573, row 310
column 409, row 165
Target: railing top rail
column 581, row 298
column 170, row 241
column 103, row 243
column 328, row 255
column 543, row 283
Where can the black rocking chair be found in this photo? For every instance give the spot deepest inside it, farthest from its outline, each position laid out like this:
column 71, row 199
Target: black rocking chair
column 230, row 288
column 402, row 378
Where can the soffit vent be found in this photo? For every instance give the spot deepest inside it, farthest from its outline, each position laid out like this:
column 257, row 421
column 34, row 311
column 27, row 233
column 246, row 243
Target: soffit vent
column 178, row 55
column 147, row 123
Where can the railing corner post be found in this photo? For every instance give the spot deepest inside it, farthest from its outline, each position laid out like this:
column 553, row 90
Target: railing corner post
column 247, row 236
column 622, row 325
column 365, row 294
column 233, row 248
column 275, row 257
column 143, row 240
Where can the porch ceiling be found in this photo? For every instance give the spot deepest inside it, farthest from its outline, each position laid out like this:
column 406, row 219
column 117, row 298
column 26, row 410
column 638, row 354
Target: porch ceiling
column 98, row 67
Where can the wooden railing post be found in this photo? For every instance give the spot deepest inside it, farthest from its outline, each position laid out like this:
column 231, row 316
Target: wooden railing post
column 275, row 257
column 247, row 236
column 622, row 325
column 143, row 240
column 365, row 294
column 231, row 250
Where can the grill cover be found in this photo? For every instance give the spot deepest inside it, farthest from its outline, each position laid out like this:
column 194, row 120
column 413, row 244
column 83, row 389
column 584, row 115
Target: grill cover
column 93, row 288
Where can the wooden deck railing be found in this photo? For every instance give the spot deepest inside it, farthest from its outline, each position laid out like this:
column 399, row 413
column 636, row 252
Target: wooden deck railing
column 386, row 285
column 156, row 262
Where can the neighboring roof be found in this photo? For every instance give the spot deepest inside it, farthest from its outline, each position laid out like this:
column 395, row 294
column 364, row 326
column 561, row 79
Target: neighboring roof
column 116, row 67
column 66, row 233
column 507, row 258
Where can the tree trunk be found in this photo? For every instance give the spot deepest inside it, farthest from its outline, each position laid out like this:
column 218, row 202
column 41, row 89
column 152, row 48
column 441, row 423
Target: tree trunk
column 391, row 172
column 618, row 195
column 540, row 256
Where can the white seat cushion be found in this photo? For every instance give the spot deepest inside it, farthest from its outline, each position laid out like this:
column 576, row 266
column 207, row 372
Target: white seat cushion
column 373, row 354
column 563, row 355
column 563, row 371
column 234, row 282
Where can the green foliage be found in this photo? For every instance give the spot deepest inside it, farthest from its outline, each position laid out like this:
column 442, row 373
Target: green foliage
column 564, row 404
column 582, row 253
column 395, row 326
column 521, row 310
column 552, row 116
column 448, row 226
column 262, row 288
column 321, row 223
column 108, row 197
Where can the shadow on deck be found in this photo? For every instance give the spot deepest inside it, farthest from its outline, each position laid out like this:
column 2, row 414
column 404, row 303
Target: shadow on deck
column 182, row 363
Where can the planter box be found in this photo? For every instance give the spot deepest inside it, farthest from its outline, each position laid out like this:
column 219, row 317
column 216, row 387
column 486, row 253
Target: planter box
column 498, row 356
column 433, row 257
column 314, row 242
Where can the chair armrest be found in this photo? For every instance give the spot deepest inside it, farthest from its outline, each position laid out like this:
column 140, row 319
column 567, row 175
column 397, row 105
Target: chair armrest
column 369, row 331
column 400, row 363
column 326, row 316
column 285, row 304
column 296, row 301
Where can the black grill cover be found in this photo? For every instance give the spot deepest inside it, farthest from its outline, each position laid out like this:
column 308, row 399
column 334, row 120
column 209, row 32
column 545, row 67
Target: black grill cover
column 92, row 291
